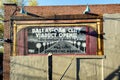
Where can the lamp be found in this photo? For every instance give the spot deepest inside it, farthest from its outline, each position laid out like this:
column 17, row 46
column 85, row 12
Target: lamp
column 6, row 40
column 87, row 10
column 22, row 11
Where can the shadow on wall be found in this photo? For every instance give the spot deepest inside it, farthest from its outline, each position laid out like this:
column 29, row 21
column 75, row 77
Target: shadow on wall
column 94, row 34
column 114, row 74
column 16, row 75
column 26, row 77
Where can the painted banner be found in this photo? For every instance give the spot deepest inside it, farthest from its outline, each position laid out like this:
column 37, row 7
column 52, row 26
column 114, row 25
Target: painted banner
column 56, row 40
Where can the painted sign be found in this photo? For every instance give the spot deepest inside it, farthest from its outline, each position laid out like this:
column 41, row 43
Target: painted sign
column 56, row 40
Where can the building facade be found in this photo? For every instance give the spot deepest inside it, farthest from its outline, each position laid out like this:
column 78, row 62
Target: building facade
column 74, row 39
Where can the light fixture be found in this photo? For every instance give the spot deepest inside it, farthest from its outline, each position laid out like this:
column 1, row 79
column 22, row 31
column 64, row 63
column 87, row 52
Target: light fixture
column 87, row 10
column 7, row 40
column 22, row 11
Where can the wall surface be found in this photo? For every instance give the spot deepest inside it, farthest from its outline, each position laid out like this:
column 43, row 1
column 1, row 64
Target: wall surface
column 72, row 68
column 112, row 46
column 64, row 68
column 28, row 68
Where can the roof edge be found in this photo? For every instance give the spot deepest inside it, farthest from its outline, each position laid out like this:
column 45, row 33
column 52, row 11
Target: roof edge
column 10, row 3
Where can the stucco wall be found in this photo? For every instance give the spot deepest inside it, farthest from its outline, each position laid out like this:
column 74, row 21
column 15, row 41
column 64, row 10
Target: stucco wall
column 112, row 46
column 28, row 68
column 72, row 68
column 64, row 68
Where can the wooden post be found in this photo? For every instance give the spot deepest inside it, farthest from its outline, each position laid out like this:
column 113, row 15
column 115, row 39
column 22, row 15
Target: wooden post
column 14, row 40
column 100, row 45
column 49, row 66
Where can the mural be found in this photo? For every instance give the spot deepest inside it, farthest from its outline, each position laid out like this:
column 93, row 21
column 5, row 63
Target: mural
column 56, row 40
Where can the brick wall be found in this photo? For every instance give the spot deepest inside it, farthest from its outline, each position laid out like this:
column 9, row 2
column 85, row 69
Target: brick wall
column 9, row 9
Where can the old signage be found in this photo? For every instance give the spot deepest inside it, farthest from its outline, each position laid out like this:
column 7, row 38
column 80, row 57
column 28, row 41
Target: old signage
column 57, row 40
